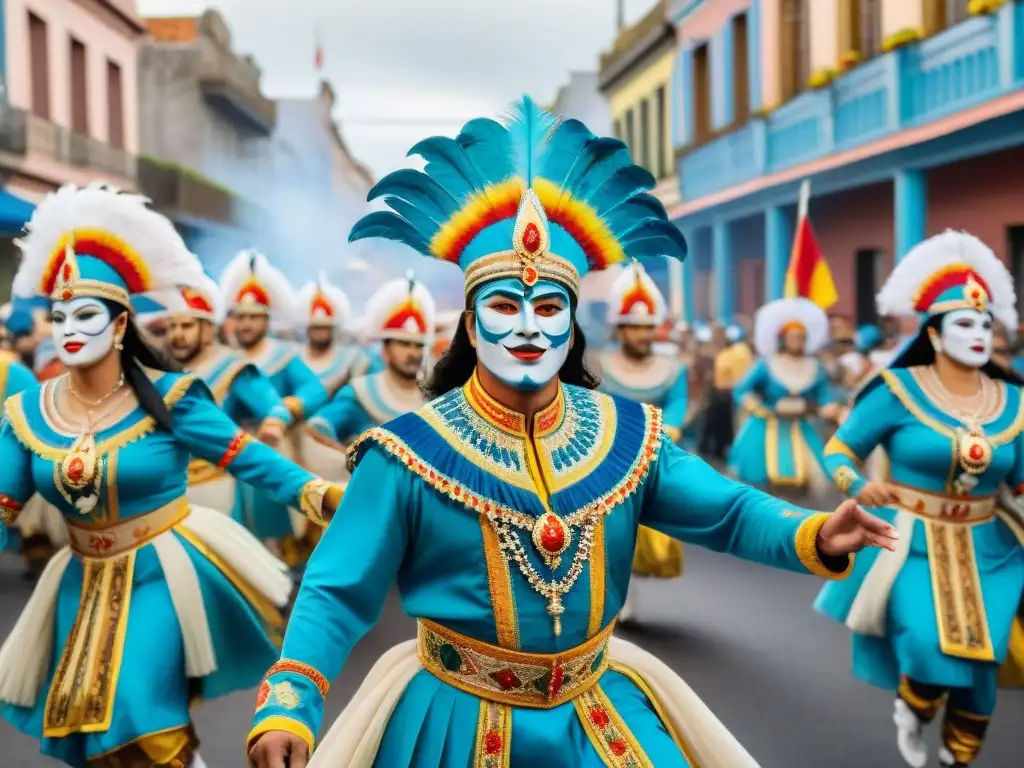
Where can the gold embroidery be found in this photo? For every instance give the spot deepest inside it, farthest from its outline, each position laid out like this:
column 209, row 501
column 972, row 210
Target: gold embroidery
column 499, row 579
column 534, row 680
column 608, row 732
column 493, row 736
column 956, row 588
column 598, row 585
column 844, row 478
column 659, row 710
column 836, row 446
column 81, row 695
column 285, row 695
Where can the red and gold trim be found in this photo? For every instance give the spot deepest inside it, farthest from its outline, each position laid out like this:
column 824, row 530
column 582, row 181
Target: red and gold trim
column 9, row 509
column 99, row 244
column 637, row 295
column 302, row 669
column 321, row 309
column 402, row 314
column 976, row 290
column 497, row 203
column 608, row 732
column 252, row 296
column 546, row 420
column 582, row 222
column 493, row 747
column 198, row 303
column 235, row 447
column 516, row 678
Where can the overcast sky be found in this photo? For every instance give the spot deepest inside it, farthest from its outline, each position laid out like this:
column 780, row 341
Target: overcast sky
column 406, row 69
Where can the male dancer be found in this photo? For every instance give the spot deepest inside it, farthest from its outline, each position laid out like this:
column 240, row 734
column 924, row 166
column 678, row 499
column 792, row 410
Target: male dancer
column 633, row 371
column 325, row 313
column 506, row 509
column 258, row 297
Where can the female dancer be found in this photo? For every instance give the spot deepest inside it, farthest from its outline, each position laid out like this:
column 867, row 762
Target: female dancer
column 933, row 619
column 778, row 444
column 153, row 604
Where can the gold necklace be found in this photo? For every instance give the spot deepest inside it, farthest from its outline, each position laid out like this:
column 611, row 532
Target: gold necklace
column 87, row 402
column 974, row 451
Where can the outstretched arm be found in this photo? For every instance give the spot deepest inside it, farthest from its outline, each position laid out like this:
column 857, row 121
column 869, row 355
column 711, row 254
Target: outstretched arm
column 209, row 434
column 687, row 499
column 340, row 419
column 343, row 592
column 308, row 394
column 16, row 484
column 873, row 418
column 259, row 396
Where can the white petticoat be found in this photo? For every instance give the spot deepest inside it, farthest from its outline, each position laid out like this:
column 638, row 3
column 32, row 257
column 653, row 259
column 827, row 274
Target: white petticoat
column 354, row 738
column 26, row 653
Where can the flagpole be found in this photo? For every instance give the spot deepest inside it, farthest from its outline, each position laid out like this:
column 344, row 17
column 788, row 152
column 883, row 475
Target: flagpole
column 805, row 200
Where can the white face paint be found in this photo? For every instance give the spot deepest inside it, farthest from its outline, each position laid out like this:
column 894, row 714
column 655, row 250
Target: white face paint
column 522, row 334
column 966, row 337
column 83, row 331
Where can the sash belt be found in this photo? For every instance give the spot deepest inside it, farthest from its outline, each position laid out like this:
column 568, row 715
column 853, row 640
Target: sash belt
column 99, row 542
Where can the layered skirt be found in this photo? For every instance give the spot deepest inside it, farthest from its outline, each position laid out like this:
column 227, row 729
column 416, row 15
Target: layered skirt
column 111, row 650
column 780, row 453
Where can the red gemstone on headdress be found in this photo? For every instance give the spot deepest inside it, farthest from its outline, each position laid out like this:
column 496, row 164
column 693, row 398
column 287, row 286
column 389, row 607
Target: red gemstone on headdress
column 531, row 238
column 66, row 294
column 530, row 275
column 67, row 271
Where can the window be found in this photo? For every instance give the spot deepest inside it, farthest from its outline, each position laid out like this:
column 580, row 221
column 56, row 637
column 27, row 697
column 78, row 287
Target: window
column 115, row 106
column 661, row 124
column 794, row 47
column 645, row 133
column 630, row 136
column 869, row 273
column 39, row 66
column 701, row 94
column 79, row 89
column 740, row 69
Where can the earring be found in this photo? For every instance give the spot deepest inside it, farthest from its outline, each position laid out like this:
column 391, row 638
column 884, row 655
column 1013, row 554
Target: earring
column 933, row 337
column 119, row 345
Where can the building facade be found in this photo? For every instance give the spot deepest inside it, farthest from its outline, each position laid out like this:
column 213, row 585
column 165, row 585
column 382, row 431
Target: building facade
column 204, row 128
column 906, row 115
column 68, row 107
column 581, row 99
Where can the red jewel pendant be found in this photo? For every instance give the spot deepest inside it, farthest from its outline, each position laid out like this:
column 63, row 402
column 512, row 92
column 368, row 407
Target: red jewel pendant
column 975, row 452
column 551, row 537
column 530, row 276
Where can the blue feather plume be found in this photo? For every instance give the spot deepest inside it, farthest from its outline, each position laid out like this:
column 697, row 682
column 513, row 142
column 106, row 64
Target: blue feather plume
column 529, row 129
column 419, row 189
column 448, row 165
column 488, row 147
column 389, row 226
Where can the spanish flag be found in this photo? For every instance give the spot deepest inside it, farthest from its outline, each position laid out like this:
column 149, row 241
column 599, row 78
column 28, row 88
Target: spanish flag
column 808, row 275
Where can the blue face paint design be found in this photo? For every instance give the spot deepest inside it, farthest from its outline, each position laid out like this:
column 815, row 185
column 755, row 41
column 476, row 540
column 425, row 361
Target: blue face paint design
column 523, row 332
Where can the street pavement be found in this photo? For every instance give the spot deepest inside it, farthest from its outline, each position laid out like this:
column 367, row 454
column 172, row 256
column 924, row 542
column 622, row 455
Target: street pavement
column 744, row 637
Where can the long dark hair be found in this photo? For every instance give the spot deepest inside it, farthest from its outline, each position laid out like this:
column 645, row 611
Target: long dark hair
column 456, row 365
column 140, row 352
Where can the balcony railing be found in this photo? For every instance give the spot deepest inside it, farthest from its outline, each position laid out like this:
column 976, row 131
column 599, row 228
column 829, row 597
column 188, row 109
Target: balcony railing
column 234, row 83
column 12, row 130
column 183, row 195
column 972, row 62
column 66, row 146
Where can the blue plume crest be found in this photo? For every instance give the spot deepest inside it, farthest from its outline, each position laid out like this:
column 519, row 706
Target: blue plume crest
column 529, row 129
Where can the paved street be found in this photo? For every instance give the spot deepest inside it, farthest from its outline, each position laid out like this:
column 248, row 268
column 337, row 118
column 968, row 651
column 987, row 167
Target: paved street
column 744, row 637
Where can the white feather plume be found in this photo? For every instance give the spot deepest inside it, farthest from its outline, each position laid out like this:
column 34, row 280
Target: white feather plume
column 277, row 287
column 913, row 271
column 334, row 296
column 100, row 207
column 390, row 297
column 625, row 282
column 770, row 319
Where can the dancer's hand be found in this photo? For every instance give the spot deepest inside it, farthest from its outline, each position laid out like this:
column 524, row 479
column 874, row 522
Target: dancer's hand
column 278, row 749
column 877, row 494
column 850, row 529
column 271, row 432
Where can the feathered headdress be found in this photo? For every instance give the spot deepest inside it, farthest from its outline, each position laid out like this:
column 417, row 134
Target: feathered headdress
column 196, row 295
column 776, row 316
column 635, row 298
column 401, row 310
column 533, row 198
column 319, row 303
column 250, row 283
column 97, row 241
column 950, row 271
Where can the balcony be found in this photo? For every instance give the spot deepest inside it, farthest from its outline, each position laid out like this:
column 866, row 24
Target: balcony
column 975, row 61
column 56, row 143
column 183, row 195
column 13, row 140
column 233, row 84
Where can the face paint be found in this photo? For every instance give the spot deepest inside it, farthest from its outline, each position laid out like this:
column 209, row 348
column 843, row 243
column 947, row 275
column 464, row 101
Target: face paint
column 966, row 337
column 523, row 332
column 83, row 331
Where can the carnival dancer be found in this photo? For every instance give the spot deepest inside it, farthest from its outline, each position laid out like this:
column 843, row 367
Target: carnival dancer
column 324, row 312
column 258, row 298
column 189, row 312
column 507, row 508
column 633, row 371
column 932, row 620
column 400, row 315
column 778, row 445
column 155, row 603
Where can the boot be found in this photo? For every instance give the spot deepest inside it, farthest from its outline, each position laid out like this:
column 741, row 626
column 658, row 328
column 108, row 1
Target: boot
column 909, row 735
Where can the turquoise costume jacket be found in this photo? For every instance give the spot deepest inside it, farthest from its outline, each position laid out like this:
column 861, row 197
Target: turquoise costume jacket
column 125, row 621
column 951, row 608
column 344, row 363
column 364, row 403
column 241, row 389
column 670, row 394
column 772, row 448
column 302, row 392
column 14, row 378
column 460, row 503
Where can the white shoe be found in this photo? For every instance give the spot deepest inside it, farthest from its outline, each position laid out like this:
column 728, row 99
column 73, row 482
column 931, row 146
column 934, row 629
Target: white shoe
column 197, row 761
column 946, row 759
column 908, row 735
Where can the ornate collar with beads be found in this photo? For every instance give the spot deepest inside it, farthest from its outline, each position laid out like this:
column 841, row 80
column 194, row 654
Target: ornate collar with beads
column 591, row 450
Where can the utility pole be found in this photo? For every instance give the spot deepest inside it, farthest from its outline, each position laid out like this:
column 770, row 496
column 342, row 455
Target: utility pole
column 620, row 22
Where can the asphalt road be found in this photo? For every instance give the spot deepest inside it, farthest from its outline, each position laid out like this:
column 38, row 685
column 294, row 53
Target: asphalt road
column 744, row 637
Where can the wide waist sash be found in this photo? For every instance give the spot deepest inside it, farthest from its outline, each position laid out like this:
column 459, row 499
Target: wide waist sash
column 955, row 510
column 100, row 542
column 516, row 678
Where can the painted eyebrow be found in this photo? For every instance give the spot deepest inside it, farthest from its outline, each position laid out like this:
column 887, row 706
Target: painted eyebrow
column 501, row 293
column 548, row 295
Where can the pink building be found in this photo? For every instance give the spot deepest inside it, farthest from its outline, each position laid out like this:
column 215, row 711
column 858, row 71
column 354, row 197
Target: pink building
column 71, row 83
